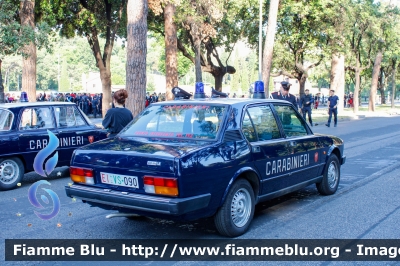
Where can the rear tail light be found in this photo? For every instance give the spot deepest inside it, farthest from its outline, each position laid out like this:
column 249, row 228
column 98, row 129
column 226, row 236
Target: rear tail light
column 82, row 175
column 161, row 185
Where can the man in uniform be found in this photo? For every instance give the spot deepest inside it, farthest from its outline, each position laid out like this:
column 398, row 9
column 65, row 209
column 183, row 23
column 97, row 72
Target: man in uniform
column 95, row 105
column 305, row 105
column 78, row 101
column 333, row 102
column 85, row 102
column 100, row 104
column 284, row 94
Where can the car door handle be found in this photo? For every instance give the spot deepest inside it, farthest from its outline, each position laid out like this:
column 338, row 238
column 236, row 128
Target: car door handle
column 256, row 149
column 293, row 143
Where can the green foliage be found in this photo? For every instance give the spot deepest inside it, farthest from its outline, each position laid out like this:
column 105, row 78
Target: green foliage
column 221, row 23
column 82, row 17
column 184, row 65
column 64, row 79
column 75, row 56
column 302, row 32
column 12, row 36
column 117, row 79
column 151, row 87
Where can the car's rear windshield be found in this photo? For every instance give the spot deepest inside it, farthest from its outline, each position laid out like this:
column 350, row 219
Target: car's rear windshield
column 194, row 121
column 6, row 119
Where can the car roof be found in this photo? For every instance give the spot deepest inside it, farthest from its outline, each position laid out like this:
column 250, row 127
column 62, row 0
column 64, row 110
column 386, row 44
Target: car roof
column 227, row 101
column 25, row 104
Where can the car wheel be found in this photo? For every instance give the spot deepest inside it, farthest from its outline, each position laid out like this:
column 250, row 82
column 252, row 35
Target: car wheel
column 11, row 172
column 236, row 214
column 331, row 177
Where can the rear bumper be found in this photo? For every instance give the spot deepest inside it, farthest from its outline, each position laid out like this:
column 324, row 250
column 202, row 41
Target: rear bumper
column 343, row 160
column 154, row 204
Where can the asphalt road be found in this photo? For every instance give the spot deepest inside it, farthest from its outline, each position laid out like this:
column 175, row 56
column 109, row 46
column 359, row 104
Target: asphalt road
column 366, row 205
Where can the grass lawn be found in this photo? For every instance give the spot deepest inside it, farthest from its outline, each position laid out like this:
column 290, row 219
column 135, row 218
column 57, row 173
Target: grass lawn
column 384, row 107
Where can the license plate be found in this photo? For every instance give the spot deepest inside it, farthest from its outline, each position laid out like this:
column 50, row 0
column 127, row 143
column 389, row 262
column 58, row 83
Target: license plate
column 119, row 180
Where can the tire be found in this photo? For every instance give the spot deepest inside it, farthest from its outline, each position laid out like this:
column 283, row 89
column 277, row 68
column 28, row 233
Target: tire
column 331, row 177
column 232, row 220
column 12, row 171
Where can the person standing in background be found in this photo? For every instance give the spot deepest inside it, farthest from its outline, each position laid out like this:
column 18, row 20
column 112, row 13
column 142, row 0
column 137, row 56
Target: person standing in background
column 101, row 104
column 305, row 105
column 85, row 103
column 117, row 118
column 95, row 105
column 284, row 94
column 333, row 102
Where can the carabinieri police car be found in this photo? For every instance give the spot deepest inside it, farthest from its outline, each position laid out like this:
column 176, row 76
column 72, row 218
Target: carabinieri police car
column 24, row 132
column 188, row 159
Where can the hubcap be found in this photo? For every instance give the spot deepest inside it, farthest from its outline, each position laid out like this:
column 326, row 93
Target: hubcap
column 332, row 174
column 241, row 207
column 9, row 172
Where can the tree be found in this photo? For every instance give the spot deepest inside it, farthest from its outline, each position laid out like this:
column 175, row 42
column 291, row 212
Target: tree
column 203, row 27
column 27, row 16
column 302, row 32
column 357, row 38
column 269, row 43
column 394, row 71
column 336, row 44
column 13, row 36
column 136, row 55
column 377, row 77
column 386, row 42
column 171, row 60
column 92, row 19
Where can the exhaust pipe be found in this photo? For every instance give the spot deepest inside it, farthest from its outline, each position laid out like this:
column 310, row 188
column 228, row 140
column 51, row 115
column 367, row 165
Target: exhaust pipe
column 114, row 215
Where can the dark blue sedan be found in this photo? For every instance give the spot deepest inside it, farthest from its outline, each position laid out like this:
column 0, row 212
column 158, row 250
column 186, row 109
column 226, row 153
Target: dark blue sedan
column 25, row 129
column 190, row 159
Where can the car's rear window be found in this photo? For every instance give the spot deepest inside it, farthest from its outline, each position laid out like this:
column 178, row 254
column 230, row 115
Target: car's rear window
column 200, row 121
column 6, row 119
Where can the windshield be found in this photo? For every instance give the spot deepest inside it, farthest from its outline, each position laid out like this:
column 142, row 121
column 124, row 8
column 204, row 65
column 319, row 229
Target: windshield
column 6, row 119
column 201, row 121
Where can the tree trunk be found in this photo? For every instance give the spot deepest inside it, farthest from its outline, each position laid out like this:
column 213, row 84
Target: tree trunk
column 105, row 76
column 302, row 83
column 171, row 60
column 27, row 16
column 383, row 99
column 218, row 80
column 136, row 55
column 104, row 68
column 1, row 85
column 394, row 70
column 337, row 78
column 197, row 61
column 357, row 88
column 374, row 84
column 269, row 44
column 382, row 85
